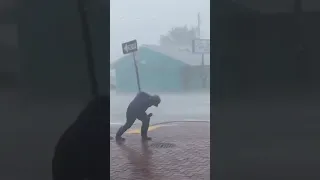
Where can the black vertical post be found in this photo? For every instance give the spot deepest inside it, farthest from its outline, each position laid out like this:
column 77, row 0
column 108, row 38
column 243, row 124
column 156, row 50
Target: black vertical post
column 137, row 71
column 88, row 47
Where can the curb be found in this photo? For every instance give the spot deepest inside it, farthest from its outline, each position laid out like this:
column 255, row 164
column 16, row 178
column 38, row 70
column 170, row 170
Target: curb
column 168, row 122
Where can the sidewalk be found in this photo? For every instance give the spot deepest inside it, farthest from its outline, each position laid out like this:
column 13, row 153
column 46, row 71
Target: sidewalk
column 178, row 151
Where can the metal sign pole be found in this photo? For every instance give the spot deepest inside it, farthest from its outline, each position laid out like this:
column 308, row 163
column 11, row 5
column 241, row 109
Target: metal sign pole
column 203, row 72
column 137, row 72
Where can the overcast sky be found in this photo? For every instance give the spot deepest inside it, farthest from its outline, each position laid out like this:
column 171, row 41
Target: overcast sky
column 146, row 20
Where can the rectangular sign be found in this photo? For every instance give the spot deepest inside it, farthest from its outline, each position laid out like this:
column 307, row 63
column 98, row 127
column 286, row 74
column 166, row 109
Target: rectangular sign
column 129, row 47
column 201, row 46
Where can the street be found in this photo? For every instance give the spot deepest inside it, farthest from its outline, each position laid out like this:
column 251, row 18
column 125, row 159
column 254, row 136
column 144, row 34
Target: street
column 177, row 151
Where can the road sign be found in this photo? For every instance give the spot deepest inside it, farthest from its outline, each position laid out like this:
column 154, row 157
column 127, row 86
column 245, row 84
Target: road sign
column 129, row 47
column 201, row 46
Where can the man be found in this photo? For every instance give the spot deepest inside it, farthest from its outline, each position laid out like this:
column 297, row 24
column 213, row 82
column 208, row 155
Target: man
column 137, row 110
column 81, row 152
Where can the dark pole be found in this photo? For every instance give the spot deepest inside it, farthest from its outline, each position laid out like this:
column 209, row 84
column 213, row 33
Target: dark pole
column 137, row 71
column 88, row 47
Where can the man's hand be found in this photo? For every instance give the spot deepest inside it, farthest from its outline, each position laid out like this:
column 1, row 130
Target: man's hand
column 149, row 115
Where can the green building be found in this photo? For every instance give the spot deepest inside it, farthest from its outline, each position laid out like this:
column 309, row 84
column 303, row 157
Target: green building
column 162, row 70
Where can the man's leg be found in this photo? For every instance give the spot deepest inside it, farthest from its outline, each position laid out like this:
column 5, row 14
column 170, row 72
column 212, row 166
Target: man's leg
column 125, row 127
column 144, row 129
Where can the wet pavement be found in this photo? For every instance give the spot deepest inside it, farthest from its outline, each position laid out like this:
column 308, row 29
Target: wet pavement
column 178, row 151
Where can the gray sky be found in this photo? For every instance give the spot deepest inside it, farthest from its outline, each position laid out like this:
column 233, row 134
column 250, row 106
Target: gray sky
column 146, row 20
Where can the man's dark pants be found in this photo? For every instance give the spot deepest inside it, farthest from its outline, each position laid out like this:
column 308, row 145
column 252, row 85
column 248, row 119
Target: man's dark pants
column 131, row 118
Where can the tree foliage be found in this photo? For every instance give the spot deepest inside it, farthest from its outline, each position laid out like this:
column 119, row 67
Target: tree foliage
column 179, row 36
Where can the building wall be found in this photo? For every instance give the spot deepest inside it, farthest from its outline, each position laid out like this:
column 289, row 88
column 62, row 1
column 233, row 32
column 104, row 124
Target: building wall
column 157, row 72
column 126, row 79
column 196, row 78
column 160, row 79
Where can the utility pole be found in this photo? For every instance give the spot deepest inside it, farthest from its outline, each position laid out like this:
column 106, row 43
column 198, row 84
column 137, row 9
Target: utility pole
column 202, row 55
column 199, row 22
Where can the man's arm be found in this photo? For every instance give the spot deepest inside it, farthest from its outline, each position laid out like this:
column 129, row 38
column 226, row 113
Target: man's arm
column 144, row 116
column 147, row 115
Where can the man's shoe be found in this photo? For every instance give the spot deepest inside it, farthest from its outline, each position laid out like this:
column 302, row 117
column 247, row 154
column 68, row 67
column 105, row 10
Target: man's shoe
column 146, row 138
column 120, row 139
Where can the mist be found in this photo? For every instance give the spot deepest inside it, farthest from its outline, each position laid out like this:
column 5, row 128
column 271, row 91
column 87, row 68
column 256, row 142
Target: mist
column 147, row 20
